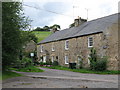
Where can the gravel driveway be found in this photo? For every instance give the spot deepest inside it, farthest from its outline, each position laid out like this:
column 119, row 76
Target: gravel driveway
column 52, row 78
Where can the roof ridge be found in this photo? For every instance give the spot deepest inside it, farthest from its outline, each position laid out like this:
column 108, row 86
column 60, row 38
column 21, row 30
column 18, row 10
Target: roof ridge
column 93, row 26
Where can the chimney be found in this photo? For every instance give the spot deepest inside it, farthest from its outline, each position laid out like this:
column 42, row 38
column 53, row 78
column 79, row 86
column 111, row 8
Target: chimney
column 79, row 21
column 54, row 30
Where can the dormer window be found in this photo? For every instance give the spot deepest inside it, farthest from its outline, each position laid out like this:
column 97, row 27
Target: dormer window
column 90, row 41
column 41, row 48
column 66, row 45
column 53, row 47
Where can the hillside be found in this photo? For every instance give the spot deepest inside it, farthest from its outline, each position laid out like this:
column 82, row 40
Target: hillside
column 41, row 35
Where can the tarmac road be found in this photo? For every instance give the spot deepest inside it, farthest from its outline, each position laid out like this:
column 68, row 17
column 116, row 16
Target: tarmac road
column 53, row 78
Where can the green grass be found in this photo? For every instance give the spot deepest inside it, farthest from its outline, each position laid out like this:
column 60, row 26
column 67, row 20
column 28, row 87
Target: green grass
column 84, row 70
column 9, row 74
column 28, row 69
column 41, row 35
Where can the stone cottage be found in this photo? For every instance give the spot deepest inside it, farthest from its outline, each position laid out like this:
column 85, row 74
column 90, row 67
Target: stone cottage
column 30, row 46
column 73, row 44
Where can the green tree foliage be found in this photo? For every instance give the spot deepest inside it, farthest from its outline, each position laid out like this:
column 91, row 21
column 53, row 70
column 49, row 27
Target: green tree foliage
column 55, row 26
column 47, row 28
column 72, row 25
column 28, row 36
column 13, row 22
column 97, row 63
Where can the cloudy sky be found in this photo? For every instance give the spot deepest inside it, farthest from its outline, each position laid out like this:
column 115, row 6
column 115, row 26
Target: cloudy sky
column 63, row 12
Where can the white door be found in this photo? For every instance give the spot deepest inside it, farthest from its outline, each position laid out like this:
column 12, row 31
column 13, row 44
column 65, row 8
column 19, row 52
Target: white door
column 44, row 59
column 79, row 60
column 52, row 59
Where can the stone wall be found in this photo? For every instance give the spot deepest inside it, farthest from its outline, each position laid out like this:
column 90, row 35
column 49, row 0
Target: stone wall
column 111, row 40
column 30, row 46
column 105, row 43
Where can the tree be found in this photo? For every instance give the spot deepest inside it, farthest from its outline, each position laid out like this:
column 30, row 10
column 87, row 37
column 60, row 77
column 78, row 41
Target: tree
column 72, row 25
column 55, row 26
column 38, row 29
column 13, row 22
column 46, row 28
column 31, row 36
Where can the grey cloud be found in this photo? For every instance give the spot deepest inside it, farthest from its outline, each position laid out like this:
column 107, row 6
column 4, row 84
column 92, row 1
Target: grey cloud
column 43, row 17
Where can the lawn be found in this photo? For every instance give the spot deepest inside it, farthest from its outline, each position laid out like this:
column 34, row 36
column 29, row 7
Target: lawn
column 41, row 35
column 28, row 69
column 83, row 70
column 9, row 74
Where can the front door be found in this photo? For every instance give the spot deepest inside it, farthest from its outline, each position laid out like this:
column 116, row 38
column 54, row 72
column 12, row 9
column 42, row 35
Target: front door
column 44, row 59
column 79, row 60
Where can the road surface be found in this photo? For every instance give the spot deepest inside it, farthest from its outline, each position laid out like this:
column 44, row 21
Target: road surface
column 52, row 78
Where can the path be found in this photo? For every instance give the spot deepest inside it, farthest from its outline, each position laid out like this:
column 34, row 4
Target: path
column 53, row 78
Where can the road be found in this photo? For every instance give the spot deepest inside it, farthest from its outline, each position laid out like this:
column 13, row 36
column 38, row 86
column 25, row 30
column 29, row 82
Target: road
column 53, row 78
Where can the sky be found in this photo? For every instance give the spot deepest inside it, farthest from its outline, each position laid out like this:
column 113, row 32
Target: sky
column 63, row 12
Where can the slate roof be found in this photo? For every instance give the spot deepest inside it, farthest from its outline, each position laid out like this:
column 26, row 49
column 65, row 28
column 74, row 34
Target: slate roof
column 90, row 27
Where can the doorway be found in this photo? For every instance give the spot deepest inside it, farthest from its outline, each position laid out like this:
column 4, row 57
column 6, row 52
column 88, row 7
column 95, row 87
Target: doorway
column 44, row 59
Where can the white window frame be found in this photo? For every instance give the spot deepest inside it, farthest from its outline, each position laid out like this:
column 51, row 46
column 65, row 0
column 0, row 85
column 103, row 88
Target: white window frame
column 66, row 44
column 53, row 47
column 66, row 59
column 89, row 41
column 41, row 48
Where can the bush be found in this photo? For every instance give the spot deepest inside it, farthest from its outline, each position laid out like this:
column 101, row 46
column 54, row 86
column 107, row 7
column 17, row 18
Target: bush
column 49, row 62
column 101, row 64
column 41, row 63
column 26, row 62
column 36, row 63
column 93, row 58
column 98, row 64
column 55, row 63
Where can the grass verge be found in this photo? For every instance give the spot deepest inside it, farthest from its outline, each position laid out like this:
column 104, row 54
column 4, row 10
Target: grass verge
column 83, row 70
column 41, row 35
column 9, row 74
column 28, row 69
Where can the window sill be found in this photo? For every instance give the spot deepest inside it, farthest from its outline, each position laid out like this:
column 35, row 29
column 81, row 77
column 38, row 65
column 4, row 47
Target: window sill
column 90, row 46
column 66, row 63
column 66, row 48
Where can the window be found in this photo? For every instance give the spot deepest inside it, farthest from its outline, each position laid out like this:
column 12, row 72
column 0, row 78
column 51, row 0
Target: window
column 53, row 47
column 90, row 42
column 66, row 45
column 41, row 48
column 66, row 59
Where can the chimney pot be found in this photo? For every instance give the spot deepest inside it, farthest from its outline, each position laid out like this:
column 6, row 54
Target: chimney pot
column 79, row 21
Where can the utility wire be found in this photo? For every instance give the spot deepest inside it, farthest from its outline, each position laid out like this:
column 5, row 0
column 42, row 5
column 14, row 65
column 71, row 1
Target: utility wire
column 38, row 8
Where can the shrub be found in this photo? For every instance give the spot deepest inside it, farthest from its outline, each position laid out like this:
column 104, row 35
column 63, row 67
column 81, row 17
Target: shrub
column 41, row 63
column 36, row 62
column 49, row 62
column 101, row 64
column 80, row 64
column 55, row 63
column 26, row 62
column 92, row 58
column 98, row 64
